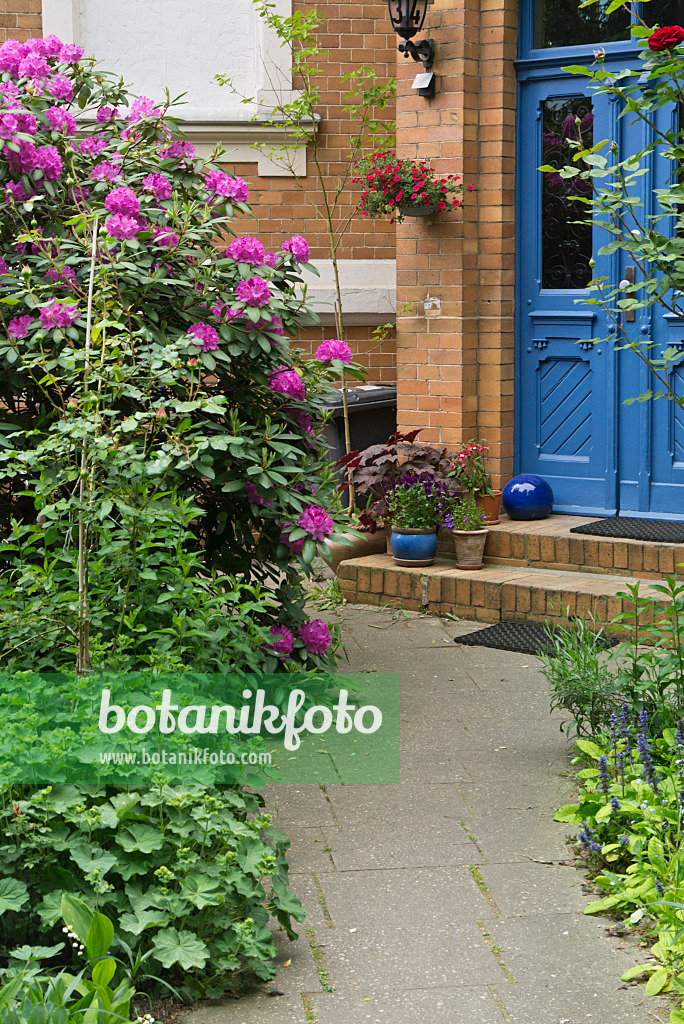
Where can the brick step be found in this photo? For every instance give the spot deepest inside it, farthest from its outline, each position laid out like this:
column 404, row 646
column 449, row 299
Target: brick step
column 548, row 544
column 490, row 594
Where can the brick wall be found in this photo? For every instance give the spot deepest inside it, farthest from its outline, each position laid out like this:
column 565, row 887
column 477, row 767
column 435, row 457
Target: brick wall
column 355, row 34
column 20, row 19
column 455, row 355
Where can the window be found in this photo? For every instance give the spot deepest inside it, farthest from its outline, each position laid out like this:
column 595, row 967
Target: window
column 565, row 244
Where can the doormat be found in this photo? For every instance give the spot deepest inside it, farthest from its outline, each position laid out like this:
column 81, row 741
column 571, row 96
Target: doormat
column 523, row 637
column 657, row 530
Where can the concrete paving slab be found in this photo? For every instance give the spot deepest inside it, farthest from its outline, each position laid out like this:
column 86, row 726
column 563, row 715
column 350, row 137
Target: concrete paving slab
column 399, row 845
column 462, row 1005
column 565, row 945
column 511, row 837
column 307, row 851
column 529, row 888
column 378, row 957
column 371, row 805
column 577, row 1001
column 305, row 806
column 423, row 899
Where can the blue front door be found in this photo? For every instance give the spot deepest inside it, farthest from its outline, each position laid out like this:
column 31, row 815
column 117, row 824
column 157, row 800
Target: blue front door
column 600, row 455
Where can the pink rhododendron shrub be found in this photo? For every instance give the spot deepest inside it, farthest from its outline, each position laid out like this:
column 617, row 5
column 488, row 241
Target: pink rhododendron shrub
column 191, row 387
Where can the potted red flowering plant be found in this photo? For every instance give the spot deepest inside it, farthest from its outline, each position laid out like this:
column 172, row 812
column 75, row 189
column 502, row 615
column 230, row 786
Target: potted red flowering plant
column 468, row 466
column 405, row 188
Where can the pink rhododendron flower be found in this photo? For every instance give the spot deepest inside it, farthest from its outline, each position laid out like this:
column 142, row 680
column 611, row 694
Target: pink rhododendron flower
column 8, row 125
column 18, row 327
column 315, row 636
column 121, row 226
column 332, row 349
column 4, row 267
column 223, row 185
column 303, row 421
column 204, row 335
column 105, row 171
column 58, row 314
column 63, row 276
column 48, row 46
column 34, row 66
column 254, row 496
column 50, row 162
column 106, row 114
column 274, row 325
column 12, row 53
column 165, row 236
column 70, row 54
column 15, row 192
column 287, row 382
column 93, row 146
column 143, row 107
column 298, row 247
column 284, row 644
column 25, row 161
column 61, row 120
column 26, row 122
column 316, row 521
column 295, row 546
column 178, row 150
column 159, row 185
column 246, row 250
column 61, row 88
column 253, row 292
column 123, row 200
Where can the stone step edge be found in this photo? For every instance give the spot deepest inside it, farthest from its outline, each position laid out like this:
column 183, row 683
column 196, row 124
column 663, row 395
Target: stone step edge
column 657, row 558
column 488, row 594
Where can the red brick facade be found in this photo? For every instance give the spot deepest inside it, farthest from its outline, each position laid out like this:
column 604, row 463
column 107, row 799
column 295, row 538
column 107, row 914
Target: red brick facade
column 455, row 356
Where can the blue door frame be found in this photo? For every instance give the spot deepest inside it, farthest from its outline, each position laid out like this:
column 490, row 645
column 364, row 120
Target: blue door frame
column 572, row 426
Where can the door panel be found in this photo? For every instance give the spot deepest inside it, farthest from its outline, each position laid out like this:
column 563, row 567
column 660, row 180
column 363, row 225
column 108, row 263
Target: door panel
column 573, row 425
column 565, row 382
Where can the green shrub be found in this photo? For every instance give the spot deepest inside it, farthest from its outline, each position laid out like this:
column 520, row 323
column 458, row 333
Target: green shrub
column 192, row 875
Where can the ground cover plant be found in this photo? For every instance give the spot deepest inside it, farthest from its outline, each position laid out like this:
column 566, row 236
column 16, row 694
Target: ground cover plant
column 163, row 489
column 626, row 708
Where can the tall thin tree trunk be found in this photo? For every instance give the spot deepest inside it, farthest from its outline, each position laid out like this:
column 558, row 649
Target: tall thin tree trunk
column 83, row 652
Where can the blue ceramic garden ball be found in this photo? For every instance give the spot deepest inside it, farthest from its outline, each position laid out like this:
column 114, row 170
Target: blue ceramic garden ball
column 527, row 496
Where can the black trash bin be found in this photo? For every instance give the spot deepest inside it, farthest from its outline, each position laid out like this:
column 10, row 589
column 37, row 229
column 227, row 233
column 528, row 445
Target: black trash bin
column 372, row 419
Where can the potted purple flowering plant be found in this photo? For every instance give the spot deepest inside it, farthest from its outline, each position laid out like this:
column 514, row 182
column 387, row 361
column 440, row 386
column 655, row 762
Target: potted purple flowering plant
column 468, row 524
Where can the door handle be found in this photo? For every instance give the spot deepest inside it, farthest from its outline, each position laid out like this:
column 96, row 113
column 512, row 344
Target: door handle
column 630, row 278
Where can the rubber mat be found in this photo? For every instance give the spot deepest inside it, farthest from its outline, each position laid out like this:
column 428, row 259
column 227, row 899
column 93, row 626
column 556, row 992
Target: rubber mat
column 523, row 637
column 658, row 530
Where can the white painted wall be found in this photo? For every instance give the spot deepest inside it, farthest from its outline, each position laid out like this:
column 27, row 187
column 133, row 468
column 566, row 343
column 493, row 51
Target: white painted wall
column 157, row 43
column 182, row 44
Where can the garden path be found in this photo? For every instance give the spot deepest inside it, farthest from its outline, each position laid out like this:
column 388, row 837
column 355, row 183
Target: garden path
column 453, row 898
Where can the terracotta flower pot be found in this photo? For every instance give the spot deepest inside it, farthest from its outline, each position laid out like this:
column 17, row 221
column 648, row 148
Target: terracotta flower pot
column 470, row 545
column 490, row 505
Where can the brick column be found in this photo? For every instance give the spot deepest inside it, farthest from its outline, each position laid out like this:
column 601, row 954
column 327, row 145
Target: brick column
column 455, row 344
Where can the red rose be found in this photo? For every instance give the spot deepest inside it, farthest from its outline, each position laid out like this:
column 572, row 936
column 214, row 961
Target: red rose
column 665, row 38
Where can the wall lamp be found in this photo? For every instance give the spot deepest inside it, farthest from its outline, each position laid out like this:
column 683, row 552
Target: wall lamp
column 407, row 17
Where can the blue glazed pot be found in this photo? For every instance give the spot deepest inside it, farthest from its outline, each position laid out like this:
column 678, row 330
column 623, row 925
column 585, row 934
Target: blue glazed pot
column 527, row 496
column 414, row 547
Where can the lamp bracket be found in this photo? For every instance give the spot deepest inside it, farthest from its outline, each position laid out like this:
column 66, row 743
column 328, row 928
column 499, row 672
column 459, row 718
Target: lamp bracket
column 422, row 52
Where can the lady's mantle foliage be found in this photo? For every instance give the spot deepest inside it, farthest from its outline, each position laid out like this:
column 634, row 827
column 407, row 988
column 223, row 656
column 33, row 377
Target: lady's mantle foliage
column 189, row 384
